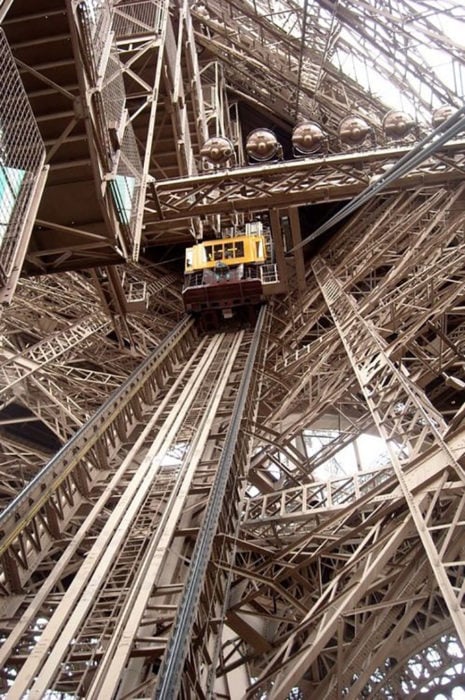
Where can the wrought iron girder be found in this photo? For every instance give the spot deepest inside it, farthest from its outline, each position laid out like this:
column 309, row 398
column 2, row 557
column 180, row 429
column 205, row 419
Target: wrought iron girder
column 317, row 498
column 146, row 525
column 378, row 630
column 17, row 367
column 300, row 182
column 381, row 597
column 408, row 423
column 433, row 651
column 301, row 645
column 422, row 277
column 55, row 479
column 382, row 29
column 259, row 45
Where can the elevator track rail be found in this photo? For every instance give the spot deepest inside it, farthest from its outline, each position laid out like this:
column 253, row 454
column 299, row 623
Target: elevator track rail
column 101, row 628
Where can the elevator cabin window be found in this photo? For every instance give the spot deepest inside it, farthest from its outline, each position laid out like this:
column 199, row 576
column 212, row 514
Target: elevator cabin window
column 226, row 250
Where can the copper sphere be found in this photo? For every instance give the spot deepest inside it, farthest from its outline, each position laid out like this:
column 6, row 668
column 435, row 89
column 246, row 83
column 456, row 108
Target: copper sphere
column 307, row 138
column 353, row 130
column 441, row 114
column 397, row 124
column 217, row 150
column 262, row 144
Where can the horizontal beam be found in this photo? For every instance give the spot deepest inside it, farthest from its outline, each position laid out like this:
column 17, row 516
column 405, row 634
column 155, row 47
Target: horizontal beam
column 309, row 180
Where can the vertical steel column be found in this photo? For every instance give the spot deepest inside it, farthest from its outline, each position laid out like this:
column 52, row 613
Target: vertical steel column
column 409, row 424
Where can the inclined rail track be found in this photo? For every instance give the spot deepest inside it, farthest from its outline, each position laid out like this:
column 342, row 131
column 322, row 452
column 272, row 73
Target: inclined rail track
column 129, row 555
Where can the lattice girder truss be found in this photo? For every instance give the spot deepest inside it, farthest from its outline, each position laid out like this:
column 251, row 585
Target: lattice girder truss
column 56, row 341
column 389, row 265
column 409, row 425
column 402, row 292
column 400, row 258
column 298, row 182
column 321, row 40
column 149, row 484
column 67, row 478
column 324, row 533
column 291, row 56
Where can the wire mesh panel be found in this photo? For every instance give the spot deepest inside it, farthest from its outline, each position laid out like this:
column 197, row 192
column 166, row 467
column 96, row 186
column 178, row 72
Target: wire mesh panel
column 118, row 148
column 137, row 17
column 22, row 154
column 109, row 33
column 126, row 186
column 109, row 104
column 95, row 18
column 113, row 92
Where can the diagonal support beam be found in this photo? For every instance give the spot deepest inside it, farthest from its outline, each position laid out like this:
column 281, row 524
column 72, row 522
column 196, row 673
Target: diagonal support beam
column 408, row 423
